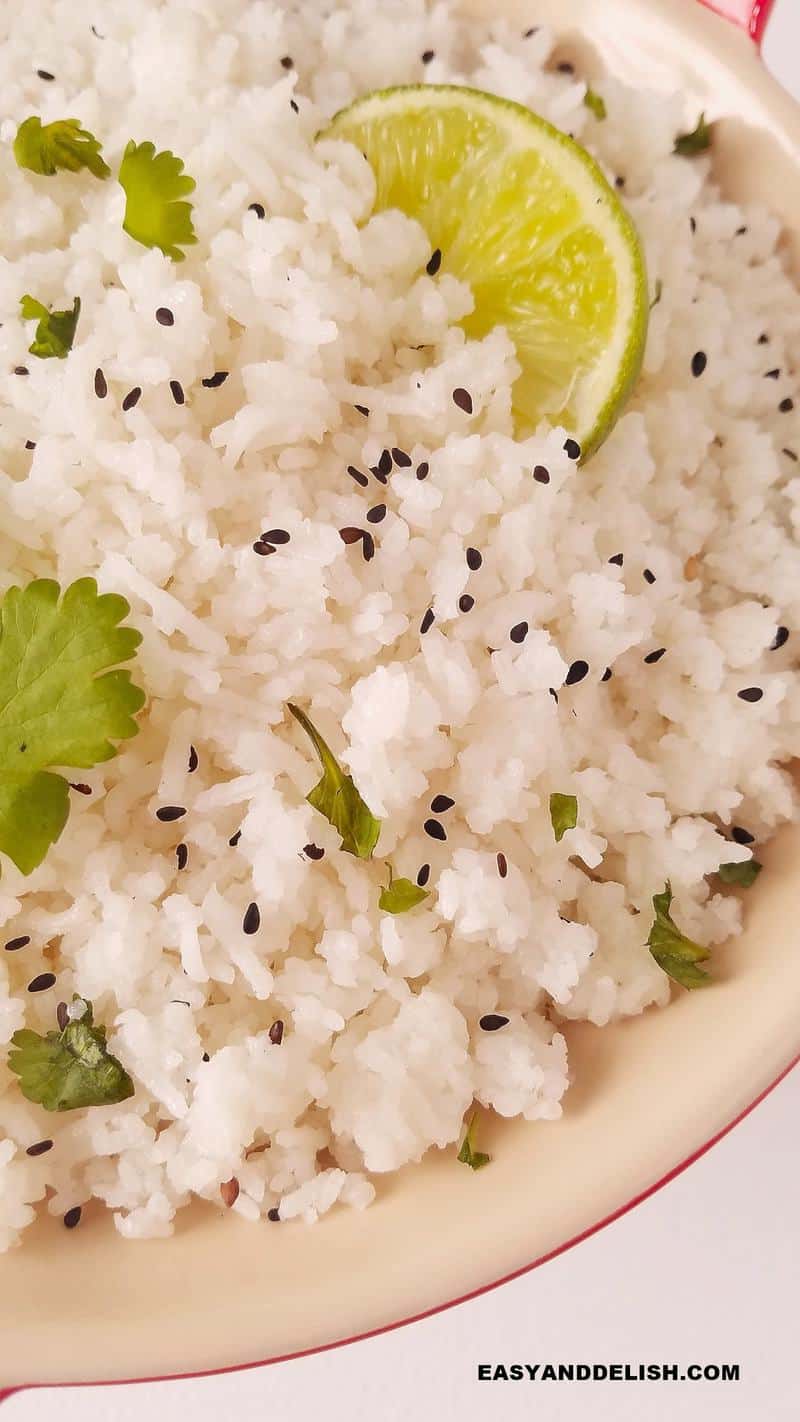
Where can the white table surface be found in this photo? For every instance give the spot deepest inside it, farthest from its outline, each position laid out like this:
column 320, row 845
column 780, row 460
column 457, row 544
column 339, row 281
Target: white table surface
column 706, row 1271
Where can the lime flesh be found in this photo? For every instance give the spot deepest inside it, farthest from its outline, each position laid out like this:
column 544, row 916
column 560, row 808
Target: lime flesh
column 524, row 215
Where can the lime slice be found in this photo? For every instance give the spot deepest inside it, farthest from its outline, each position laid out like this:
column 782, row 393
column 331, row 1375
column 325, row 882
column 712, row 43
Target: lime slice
column 524, row 215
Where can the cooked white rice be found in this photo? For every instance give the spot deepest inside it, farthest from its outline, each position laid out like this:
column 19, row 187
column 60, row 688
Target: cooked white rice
column 314, row 310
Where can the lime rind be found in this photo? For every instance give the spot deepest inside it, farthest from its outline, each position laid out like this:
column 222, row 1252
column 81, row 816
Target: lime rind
column 534, row 227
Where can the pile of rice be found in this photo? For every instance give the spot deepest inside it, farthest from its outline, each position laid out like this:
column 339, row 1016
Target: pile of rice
column 679, row 535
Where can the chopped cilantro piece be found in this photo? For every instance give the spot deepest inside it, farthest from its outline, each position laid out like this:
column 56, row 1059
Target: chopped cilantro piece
column 155, row 186
column 563, row 814
column 468, row 1155
column 744, row 873
column 676, row 954
column 56, row 329
column 55, row 707
column 595, row 103
column 47, row 148
column 68, row 1069
column 336, row 797
column 688, row 145
column 400, row 895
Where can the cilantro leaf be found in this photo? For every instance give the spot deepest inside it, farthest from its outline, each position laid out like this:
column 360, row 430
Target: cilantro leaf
column 688, row 145
column 45, row 148
column 468, row 1155
column 563, row 814
column 55, row 707
column 56, row 329
column 154, row 186
column 336, row 797
column 65, row 1070
column 744, row 873
column 676, row 954
column 400, row 895
column 595, row 103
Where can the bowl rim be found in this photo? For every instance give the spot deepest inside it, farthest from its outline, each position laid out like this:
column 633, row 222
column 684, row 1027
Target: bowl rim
column 738, row 52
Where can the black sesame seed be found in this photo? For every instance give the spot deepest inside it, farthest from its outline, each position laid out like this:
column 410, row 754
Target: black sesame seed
column 541, row 474
column 401, row 459
column 699, row 363
column 434, row 262
column 72, row 1217
column 252, row 919
column 40, row 1148
column 206, row 1057
column 617, row 559
column 441, row 803
column 262, row 549
column 619, row 181
column 423, row 470
column 276, row 1033
column 376, row 514
column 362, row 409
column 31, row 444
column 294, row 106
column 534, row 30
column 434, row 830
column 176, row 390
column 607, row 674
column 463, row 399
column 790, row 454
column 693, row 223
column 751, row 694
column 572, row 448
column 427, row 622
column 194, row 760
column 649, row 576
column 164, row 316
column 14, row 944
column 357, row 475
column 382, row 478
column 763, row 339
column 773, row 374
column 786, row 405
column 234, row 839
column 385, row 463
column 258, row 208
column 21, row 370
column 423, row 875
column 492, row 1022
column 474, row 559
column 219, row 377
column 275, row 535
column 740, row 231
column 46, row 75
column 428, row 55
column 742, row 836
column 554, row 694
column 466, row 602
column 780, row 639
column 182, row 855
column 519, row 632
column 351, row 535
column 274, row 1215
column 368, row 546
column 313, row 851
column 42, row 982
column 132, row 398
column 168, row 813
column 576, row 673
column 287, row 62
column 653, row 657
column 100, row 384
column 62, row 1015
column 502, row 864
